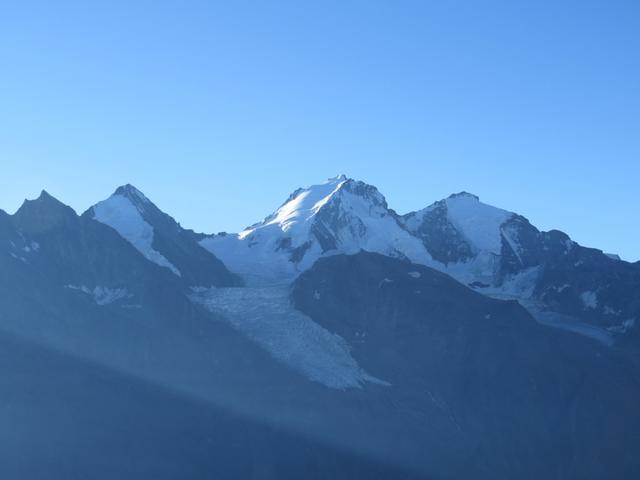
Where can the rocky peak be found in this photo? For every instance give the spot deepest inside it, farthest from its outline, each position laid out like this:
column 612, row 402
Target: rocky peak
column 464, row 195
column 42, row 214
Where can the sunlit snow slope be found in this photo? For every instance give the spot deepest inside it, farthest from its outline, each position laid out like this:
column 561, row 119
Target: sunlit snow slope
column 339, row 216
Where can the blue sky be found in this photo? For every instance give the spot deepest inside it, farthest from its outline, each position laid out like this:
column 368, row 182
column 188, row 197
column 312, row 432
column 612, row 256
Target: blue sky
column 218, row 110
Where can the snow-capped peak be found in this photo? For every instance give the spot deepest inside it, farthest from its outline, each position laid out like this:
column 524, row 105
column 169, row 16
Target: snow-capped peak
column 479, row 224
column 465, row 236
column 321, row 207
column 123, row 211
column 341, row 215
column 294, row 216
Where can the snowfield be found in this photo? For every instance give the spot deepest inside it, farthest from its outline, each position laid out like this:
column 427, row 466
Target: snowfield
column 122, row 215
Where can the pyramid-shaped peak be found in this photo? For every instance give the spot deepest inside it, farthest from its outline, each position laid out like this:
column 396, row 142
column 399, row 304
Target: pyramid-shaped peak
column 45, row 196
column 132, row 193
column 44, row 201
column 43, row 213
column 328, row 204
column 304, row 203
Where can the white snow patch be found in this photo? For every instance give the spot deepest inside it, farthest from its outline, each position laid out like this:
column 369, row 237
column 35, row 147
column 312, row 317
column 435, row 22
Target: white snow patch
column 415, row 274
column 102, row 295
column 566, row 322
column 523, row 284
column 509, row 235
column 32, row 247
column 479, row 223
column 17, row 257
column 624, row 327
column 481, row 268
column 122, row 215
column 607, row 310
column 561, row 288
column 266, row 316
column 589, row 299
column 520, row 286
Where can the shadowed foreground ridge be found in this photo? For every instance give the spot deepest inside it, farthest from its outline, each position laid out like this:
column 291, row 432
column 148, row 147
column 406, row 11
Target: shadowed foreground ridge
column 66, row 418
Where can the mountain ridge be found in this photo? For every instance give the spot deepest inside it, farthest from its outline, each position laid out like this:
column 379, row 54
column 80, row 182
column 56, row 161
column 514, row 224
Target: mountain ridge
column 493, row 251
column 448, row 368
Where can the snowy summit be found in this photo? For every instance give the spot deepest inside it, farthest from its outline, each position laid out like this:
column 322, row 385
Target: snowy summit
column 341, row 215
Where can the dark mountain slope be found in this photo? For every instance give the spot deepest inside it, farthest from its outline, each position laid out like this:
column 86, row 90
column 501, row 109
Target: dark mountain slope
column 156, row 333
column 82, row 289
column 527, row 401
column 64, row 418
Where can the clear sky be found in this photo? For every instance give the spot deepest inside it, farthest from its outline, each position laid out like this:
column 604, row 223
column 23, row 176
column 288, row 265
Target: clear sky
column 218, row 110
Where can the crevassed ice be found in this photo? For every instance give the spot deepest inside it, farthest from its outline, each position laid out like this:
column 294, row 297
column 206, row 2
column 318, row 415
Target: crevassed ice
column 266, row 316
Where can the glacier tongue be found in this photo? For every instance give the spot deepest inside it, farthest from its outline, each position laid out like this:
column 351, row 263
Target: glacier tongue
column 266, row 316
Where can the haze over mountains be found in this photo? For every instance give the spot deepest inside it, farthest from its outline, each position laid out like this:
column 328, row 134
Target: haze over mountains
column 457, row 341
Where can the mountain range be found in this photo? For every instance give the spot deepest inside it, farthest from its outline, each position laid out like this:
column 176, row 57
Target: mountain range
column 335, row 338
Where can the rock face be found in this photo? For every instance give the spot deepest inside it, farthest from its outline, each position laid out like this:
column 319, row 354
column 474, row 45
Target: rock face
column 439, row 236
column 521, row 400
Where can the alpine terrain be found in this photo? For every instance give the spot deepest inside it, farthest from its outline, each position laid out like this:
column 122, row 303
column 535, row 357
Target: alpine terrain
column 335, row 338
